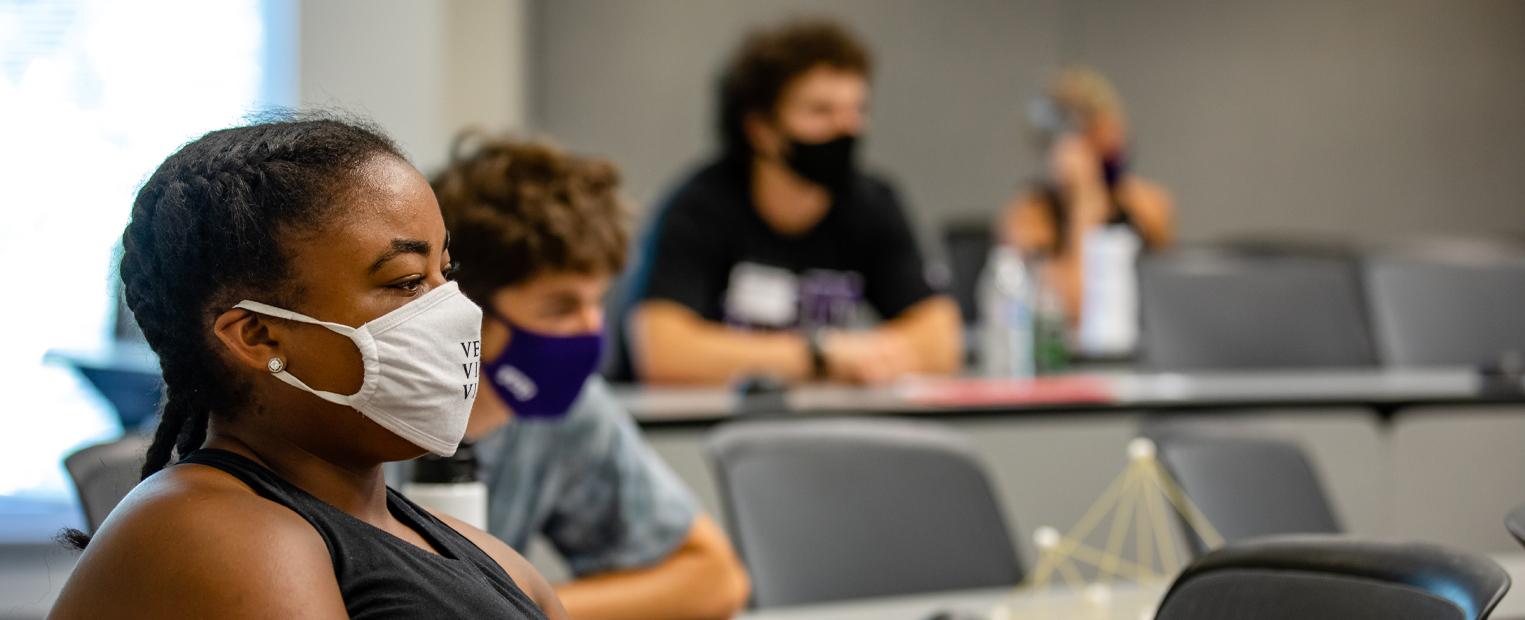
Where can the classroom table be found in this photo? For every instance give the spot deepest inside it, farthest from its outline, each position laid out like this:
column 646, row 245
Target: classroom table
column 1125, row 602
column 1385, row 391
column 128, row 376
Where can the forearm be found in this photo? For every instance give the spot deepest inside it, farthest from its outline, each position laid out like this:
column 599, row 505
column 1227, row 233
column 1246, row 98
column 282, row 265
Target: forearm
column 674, row 346
column 934, row 330
column 1154, row 215
column 671, row 590
column 703, row 579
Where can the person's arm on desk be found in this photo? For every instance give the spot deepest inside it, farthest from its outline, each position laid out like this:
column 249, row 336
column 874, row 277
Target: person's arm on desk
column 932, row 330
column 674, row 345
column 899, row 286
column 627, row 526
column 702, row 579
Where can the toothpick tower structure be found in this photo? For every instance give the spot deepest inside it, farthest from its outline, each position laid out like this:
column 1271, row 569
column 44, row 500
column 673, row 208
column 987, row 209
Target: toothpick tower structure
column 1140, row 503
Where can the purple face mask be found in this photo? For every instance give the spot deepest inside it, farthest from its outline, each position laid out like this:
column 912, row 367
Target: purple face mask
column 1113, row 167
column 540, row 375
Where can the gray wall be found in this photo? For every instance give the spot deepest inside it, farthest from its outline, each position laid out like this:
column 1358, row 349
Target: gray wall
column 1382, row 119
column 422, row 69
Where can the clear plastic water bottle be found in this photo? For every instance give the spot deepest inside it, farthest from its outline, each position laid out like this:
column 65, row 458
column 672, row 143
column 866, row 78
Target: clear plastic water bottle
column 450, row 485
column 1006, row 315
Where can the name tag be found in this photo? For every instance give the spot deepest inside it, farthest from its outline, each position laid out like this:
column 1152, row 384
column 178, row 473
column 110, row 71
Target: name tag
column 762, row 296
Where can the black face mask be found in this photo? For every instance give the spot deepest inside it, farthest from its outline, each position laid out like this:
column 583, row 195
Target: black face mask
column 829, row 164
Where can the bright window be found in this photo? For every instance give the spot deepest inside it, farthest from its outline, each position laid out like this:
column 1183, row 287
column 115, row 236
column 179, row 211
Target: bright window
column 93, row 95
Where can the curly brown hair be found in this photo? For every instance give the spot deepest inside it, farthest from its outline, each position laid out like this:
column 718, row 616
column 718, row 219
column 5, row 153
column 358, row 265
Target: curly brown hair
column 516, row 210
column 769, row 59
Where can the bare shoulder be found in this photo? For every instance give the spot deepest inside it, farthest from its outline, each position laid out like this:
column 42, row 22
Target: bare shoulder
column 201, row 543
column 519, row 569
column 1028, row 222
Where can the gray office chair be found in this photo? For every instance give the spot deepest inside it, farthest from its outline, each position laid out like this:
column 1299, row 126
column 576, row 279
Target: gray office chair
column 104, row 473
column 1247, row 487
column 1436, row 312
column 1206, row 310
column 826, row 510
column 967, row 244
column 1328, row 578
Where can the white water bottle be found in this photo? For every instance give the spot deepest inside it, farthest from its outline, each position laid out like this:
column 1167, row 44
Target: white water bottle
column 450, row 485
column 1109, row 291
column 1006, row 315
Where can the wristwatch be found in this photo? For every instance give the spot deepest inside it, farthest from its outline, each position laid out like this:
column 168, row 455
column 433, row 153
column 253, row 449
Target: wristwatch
column 815, row 340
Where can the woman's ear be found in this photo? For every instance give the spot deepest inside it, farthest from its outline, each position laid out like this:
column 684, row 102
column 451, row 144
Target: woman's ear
column 248, row 338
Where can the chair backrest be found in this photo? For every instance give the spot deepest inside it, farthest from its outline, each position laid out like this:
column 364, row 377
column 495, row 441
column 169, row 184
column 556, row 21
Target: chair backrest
column 1515, row 522
column 1327, row 578
column 104, row 473
column 968, row 246
column 1247, row 487
column 1433, row 311
column 1205, row 310
column 826, row 510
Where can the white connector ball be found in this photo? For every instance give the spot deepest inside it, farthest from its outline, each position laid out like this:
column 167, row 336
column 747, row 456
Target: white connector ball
column 1046, row 538
column 1098, row 594
column 1141, row 448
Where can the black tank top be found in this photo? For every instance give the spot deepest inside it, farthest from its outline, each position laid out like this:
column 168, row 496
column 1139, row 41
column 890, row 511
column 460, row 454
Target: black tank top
column 381, row 575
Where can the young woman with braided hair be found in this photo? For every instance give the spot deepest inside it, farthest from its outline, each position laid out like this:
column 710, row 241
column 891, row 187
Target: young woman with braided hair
column 293, row 278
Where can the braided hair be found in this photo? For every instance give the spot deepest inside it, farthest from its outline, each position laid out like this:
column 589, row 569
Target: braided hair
column 207, row 230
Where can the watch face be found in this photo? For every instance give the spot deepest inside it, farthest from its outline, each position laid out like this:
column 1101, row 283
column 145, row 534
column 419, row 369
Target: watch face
column 817, row 353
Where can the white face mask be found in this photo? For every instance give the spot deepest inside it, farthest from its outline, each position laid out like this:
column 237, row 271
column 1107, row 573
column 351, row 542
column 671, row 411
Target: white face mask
column 421, row 366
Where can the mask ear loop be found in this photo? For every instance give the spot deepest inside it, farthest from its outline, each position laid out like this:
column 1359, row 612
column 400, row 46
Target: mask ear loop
column 287, row 377
column 282, row 313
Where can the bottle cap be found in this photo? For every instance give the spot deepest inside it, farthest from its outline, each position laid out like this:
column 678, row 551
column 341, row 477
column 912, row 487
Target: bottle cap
column 458, row 468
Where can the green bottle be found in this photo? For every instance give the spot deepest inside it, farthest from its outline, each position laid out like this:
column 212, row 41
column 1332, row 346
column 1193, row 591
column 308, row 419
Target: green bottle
column 1050, row 327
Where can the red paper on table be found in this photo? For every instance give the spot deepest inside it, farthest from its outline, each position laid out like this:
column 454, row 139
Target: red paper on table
column 1067, row 390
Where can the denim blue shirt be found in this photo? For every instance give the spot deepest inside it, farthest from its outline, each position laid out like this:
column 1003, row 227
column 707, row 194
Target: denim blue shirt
column 588, row 483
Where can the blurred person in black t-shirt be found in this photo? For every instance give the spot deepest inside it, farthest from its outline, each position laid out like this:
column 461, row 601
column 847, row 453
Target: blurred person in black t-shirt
column 780, row 258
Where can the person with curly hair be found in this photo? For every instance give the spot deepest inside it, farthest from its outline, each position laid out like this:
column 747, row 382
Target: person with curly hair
column 539, row 235
column 781, row 258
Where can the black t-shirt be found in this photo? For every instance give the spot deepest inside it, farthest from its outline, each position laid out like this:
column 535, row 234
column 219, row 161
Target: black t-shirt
column 711, row 251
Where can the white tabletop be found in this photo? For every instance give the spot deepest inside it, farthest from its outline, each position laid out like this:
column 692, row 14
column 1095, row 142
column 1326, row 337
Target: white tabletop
column 1126, row 602
column 1123, row 602
column 1114, row 391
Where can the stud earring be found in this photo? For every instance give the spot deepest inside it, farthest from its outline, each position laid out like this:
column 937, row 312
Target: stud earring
column 275, row 365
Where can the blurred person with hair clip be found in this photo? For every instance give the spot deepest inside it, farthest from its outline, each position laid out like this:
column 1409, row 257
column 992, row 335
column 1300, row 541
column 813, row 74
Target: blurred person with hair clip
column 539, row 234
column 1085, row 221
column 764, row 262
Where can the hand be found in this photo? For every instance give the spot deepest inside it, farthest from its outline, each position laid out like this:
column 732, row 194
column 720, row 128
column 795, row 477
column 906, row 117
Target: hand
column 867, row 357
column 1073, row 163
column 1076, row 167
